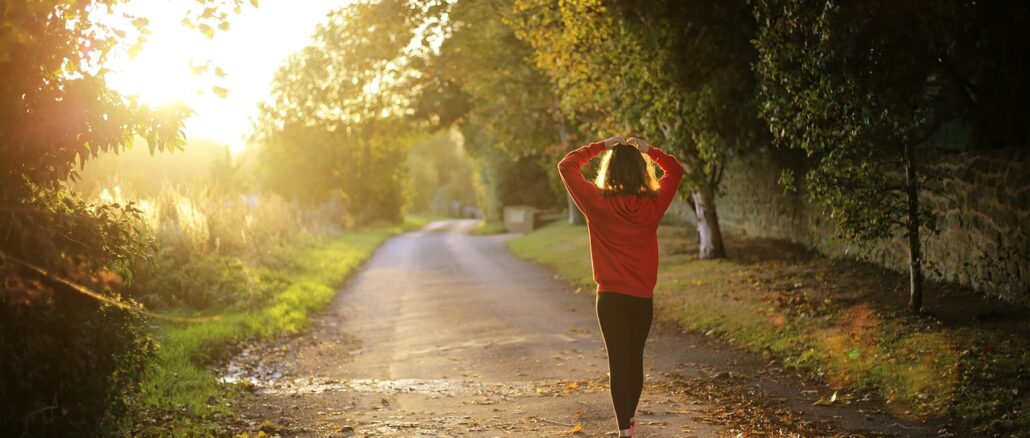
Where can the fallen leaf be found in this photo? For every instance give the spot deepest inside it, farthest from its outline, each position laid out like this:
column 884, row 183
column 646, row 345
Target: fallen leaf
column 578, row 428
column 833, row 400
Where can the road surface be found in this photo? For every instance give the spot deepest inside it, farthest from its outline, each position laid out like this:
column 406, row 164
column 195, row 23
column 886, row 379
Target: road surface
column 446, row 334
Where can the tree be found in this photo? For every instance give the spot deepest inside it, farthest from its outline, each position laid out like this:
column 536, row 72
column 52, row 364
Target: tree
column 68, row 356
column 505, row 108
column 676, row 73
column 502, row 179
column 338, row 125
column 439, row 176
column 864, row 88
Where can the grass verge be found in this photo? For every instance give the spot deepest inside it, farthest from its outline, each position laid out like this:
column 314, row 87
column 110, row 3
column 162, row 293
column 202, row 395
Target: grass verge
column 484, row 228
column 839, row 321
column 181, row 394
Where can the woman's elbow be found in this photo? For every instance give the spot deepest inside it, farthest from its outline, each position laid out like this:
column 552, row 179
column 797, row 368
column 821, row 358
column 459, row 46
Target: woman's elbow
column 566, row 167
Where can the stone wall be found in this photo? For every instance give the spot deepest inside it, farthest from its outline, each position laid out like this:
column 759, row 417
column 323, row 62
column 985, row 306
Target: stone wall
column 984, row 239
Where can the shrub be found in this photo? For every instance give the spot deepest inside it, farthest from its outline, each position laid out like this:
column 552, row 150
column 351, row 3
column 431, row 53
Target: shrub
column 206, row 241
column 66, row 360
column 67, row 366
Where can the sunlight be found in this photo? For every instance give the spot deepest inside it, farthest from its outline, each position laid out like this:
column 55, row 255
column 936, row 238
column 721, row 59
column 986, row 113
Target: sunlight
column 158, row 78
column 161, row 73
column 223, row 78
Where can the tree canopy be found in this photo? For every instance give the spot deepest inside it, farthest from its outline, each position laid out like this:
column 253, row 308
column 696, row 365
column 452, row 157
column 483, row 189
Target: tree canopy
column 66, row 350
column 338, row 125
column 676, row 73
column 871, row 91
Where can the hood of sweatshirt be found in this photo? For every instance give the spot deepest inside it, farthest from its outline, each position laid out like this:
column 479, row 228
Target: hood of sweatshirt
column 632, row 209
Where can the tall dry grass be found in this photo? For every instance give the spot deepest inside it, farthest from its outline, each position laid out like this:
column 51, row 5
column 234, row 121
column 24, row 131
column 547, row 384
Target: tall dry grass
column 209, row 242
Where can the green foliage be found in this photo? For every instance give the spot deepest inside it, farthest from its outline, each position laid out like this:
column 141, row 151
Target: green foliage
column 502, row 180
column 196, row 282
column 439, row 176
column 853, row 83
column 505, row 108
column 833, row 89
column 56, row 108
column 511, row 100
column 676, row 73
column 68, row 366
column 181, row 395
column 67, row 360
column 337, row 129
column 865, row 88
column 207, row 240
column 148, row 174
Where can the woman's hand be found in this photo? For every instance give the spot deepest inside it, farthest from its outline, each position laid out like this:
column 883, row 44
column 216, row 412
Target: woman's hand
column 610, row 142
column 640, row 144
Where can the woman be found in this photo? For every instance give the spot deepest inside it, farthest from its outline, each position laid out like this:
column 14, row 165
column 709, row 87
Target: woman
column 623, row 208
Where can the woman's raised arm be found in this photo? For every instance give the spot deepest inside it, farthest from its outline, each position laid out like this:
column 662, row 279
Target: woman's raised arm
column 583, row 192
column 670, row 181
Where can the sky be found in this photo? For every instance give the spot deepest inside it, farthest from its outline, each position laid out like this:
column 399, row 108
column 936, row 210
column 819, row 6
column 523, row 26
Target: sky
column 249, row 53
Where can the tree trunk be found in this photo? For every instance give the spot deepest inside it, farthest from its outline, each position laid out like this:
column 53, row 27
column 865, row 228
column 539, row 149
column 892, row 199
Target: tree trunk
column 575, row 216
column 915, row 259
column 708, row 232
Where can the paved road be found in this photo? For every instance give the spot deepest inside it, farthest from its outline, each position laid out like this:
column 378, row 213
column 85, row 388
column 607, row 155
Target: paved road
column 447, row 334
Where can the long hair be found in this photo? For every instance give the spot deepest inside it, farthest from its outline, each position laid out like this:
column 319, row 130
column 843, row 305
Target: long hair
column 625, row 171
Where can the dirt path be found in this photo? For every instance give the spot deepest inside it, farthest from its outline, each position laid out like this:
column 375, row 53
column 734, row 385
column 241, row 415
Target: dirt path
column 447, row 334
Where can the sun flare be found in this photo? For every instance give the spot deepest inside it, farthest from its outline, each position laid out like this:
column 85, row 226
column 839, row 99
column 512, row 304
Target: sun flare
column 160, row 73
column 159, row 78
column 221, row 78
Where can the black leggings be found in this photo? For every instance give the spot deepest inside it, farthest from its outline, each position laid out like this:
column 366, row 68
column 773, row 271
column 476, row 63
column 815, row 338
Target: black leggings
column 625, row 322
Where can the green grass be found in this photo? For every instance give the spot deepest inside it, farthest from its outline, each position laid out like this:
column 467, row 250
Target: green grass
column 484, row 228
column 816, row 315
column 181, row 395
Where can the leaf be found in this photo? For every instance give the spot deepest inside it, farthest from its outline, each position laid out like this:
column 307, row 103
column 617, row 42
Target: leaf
column 254, row 3
column 578, row 428
column 823, row 401
column 206, row 29
column 140, row 22
column 833, row 400
column 220, row 91
column 135, row 49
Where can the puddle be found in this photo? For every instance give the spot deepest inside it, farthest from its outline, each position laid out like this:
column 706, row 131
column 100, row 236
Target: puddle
column 447, row 425
column 267, row 377
column 250, row 366
column 437, row 387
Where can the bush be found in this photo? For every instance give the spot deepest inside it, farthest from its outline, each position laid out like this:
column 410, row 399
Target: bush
column 68, row 366
column 204, row 282
column 207, row 241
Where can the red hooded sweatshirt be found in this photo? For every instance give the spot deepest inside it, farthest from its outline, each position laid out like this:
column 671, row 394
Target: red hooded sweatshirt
column 623, row 229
